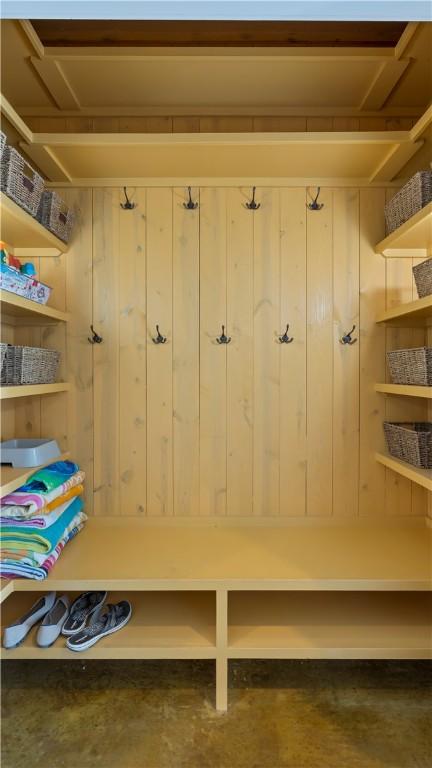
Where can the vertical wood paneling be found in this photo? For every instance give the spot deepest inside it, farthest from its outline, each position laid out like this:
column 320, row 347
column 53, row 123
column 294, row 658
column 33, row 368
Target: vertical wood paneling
column 372, row 352
column 185, row 356
column 320, row 357
column 106, row 356
column 239, row 354
column 28, row 409
column 79, row 360
column 266, row 353
column 346, row 357
column 53, row 409
column 133, row 358
column 159, row 356
column 292, row 410
column 213, row 357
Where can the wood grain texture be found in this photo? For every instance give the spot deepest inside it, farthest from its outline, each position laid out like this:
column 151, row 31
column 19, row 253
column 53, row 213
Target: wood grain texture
column 320, row 357
column 266, row 472
column 346, row 417
column 133, row 358
column 240, row 369
column 213, row 357
column 372, row 353
column 186, row 349
column 293, row 376
column 106, row 356
column 159, row 356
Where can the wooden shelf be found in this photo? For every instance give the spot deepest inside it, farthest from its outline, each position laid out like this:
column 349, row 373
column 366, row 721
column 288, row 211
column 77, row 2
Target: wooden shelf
column 407, row 390
column 421, row 477
column 415, row 313
column 12, row 478
column 334, row 625
column 414, row 233
column 129, row 553
column 164, row 625
column 31, row 390
column 20, row 230
column 15, row 310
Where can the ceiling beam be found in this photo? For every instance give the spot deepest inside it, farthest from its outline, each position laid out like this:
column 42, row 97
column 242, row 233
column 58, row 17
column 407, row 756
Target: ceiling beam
column 15, row 120
column 47, row 161
column 397, row 157
column 388, row 76
column 56, row 82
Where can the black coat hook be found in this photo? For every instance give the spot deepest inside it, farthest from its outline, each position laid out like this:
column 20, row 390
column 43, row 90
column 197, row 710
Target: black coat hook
column 315, row 205
column 190, row 205
column 127, row 205
column 347, row 338
column 96, row 339
column 159, row 338
column 223, row 339
column 253, row 206
column 285, row 339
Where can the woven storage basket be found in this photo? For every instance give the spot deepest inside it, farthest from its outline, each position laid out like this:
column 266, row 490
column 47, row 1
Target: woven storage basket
column 54, row 214
column 411, row 442
column 31, row 365
column 20, row 182
column 2, row 143
column 423, row 278
column 413, row 196
column 3, row 351
column 411, row 366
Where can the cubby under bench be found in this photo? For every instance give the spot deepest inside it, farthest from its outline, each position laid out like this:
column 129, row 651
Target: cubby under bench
column 214, row 591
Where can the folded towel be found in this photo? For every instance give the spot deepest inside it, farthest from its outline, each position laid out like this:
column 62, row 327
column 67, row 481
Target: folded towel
column 15, row 537
column 37, row 558
column 44, row 517
column 23, row 504
column 50, row 477
column 12, row 568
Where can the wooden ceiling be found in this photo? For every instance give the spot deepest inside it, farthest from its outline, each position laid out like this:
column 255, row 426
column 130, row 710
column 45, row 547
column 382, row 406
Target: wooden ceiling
column 218, row 33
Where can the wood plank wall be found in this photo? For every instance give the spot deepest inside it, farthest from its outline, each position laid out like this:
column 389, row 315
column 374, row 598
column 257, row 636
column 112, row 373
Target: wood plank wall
column 253, row 428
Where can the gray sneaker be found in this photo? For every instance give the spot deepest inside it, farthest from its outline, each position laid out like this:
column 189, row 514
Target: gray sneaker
column 103, row 623
column 81, row 610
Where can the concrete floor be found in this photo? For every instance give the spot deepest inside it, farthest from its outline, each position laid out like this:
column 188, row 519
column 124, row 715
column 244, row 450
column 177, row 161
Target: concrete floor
column 161, row 715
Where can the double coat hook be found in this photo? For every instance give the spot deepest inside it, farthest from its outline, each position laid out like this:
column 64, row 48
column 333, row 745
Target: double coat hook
column 285, row 339
column 190, row 205
column 159, row 339
column 347, row 338
column 223, row 339
column 127, row 205
column 315, row 205
column 253, row 205
column 95, row 339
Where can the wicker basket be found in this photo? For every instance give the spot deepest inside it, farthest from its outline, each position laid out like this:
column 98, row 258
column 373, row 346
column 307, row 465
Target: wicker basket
column 423, row 278
column 54, row 214
column 413, row 196
column 31, row 365
column 2, row 143
column 3, row 350
column 20, row 182
column 411, row 442
column 411, row 366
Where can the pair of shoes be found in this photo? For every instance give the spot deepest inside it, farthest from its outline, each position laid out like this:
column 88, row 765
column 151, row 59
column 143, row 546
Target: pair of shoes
column 104, row 620
column 54, row 614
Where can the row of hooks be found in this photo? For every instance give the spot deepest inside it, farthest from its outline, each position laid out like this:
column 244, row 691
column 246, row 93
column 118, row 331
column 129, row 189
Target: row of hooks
column 252, row 205
column 224, row 339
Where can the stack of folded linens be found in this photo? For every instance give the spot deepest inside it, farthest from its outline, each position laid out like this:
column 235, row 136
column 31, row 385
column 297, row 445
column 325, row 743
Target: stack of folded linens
column 39, row 519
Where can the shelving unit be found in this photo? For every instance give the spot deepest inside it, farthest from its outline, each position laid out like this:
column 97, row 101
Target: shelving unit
column 351, row 625
column 421, row 477
column 16, row 310
column 417, row 312
column 20, row 230
column 414, row 233
column 171, row 625
column 30, row 390
column 12, row 478
column 404, row 390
